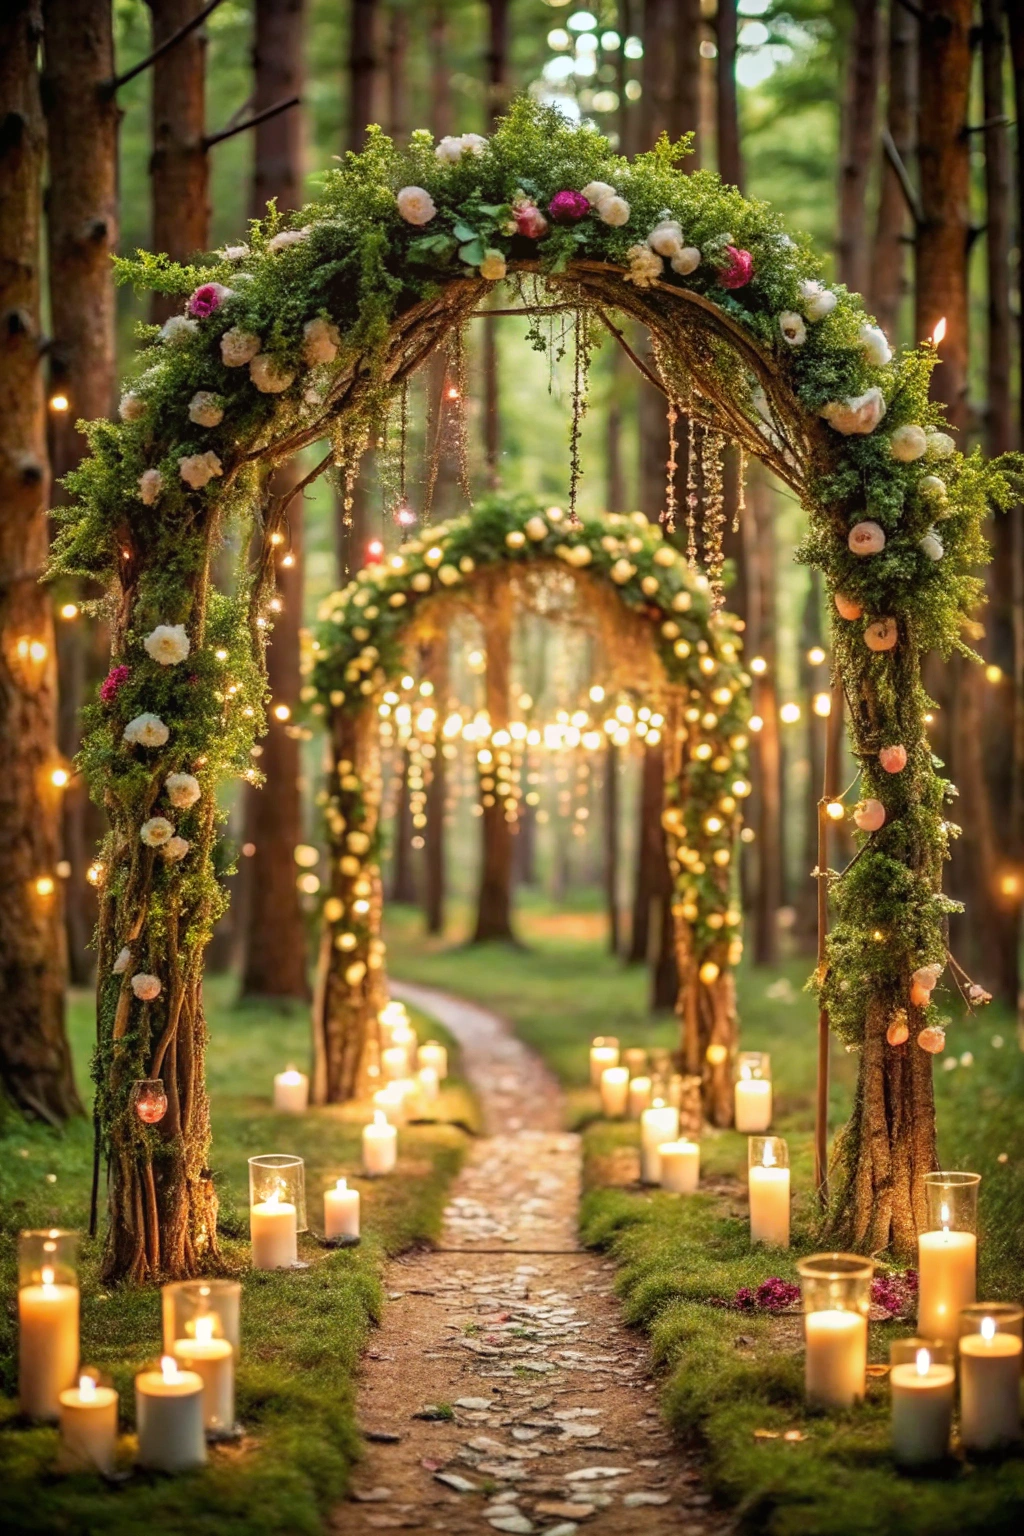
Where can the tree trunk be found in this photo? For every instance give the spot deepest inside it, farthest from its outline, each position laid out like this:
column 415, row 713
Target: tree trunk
column 81, row 214
column 363, row 70
column 649, row 855
column 434, row 863
column 179, row 165
column 403, row 877
column 766, row 745
column 857, row 143
column 278, row 72
column 1015, row 18
column 35, row 1060
column 497, row 100
column 671, row 71
column 611, row 845
column 440, row 77
column 494, row 903
column 811, row 680
column 398, row 85
column 730, row 154
column 889, row 254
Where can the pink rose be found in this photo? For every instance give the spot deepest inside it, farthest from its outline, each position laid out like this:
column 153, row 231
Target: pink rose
column 739, row 269
column 568, row 207
column 530, row 221
column 115, row 679
column 206, row 300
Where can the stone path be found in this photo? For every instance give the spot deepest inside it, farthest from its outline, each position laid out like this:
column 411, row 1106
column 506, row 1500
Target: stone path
column 502, row 1391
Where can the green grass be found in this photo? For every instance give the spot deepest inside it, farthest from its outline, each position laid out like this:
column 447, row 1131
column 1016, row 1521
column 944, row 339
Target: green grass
column 302, row 1333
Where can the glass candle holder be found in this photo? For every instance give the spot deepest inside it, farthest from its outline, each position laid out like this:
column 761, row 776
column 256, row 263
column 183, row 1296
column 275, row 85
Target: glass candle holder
column 753, row 1092
column 432, row 1054
column 640, row 1095
column 922, row 1409
column 769, row 1190
column 392, row 1016
column 614, row 1092
column 635, row 1058
column 836, row 1292
column 277, row 1209
column 991, row 1351
column 200, row 1323
column 150, row 1100
column 604, row 1052
column 947, row 1253
column 905, row 1351
column 48, row 1310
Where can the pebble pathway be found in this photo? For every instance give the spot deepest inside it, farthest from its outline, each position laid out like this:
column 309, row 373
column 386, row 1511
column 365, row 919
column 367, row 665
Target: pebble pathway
column 503, row 1391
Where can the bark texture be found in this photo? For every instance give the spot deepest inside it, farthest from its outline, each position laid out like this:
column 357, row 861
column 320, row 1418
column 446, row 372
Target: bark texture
column 363, row 70
column 730, row 154
column 494, row 900
column 892, row 232
column 179, row 165
column 435, row 868
column 857, row 142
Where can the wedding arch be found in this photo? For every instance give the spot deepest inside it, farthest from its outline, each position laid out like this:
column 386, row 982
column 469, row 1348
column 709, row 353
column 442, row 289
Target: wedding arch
column 303, row 335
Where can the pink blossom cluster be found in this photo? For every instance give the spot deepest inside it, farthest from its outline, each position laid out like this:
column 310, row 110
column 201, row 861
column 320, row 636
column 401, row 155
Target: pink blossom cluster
column 114, row 680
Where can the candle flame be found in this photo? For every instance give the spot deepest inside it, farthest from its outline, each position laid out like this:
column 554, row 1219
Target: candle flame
column 768, row 1160
column 169, row 1367
column 924, row 1361
column 342, row 1184
column 274, row 1198
column 944, row 1217
column 47, row 1275
column 379, row 1117
column 87, row 1389
column 988, row 1327
column 204, row 1328
column 291, row 1074
column 939, row 333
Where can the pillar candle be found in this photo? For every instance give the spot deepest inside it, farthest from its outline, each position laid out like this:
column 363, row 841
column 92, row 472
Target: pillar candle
column 837, row 1355
column 380, row 1145
column 753, row 1104
column 769, row 1205
column 341, row 1211
column 273, row 1229
column 432, row 1054
column 47, row 1345
column 213, row 1360
column 429, row 1085
column 169, row 1417
column 602, row 1056
column 291, row 1092
column 922, row 1410
column 639, row 1096
column 88, row 1427
column 946, row 1265
column 390, row 1100
column 614, row 1092
column 395, row 1062
column 989, row 1388
column 680, row 1166
column 658, row 1124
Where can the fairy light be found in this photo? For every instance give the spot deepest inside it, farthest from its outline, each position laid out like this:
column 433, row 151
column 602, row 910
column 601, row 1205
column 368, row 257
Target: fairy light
column 288, row 561
column 993, row 673
column 59, row 778
column 94, row 874
column 822, row 705
column 276, row 539
column 69, row 611
column 815, row 655
column 789, row 714
column 282, row 712
column 758, row 665
column 59, row 403
column 375, row 550
column 835, row 810
column 755, row 724
column 45, row 885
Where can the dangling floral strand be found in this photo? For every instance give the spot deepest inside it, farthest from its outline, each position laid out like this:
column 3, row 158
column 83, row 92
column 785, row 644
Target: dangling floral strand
column 691, row 493
column 581, row 374
column 741, row 488
column 714, row 513
column 668, row 514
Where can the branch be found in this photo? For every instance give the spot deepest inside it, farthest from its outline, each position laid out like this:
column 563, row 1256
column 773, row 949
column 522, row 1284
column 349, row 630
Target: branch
column 892, row 154
column 638, row 362
column 113, row 86
column 251, row 122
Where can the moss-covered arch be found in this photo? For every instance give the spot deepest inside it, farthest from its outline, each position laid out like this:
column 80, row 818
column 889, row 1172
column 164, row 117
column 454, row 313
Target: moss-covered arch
column 360, row 649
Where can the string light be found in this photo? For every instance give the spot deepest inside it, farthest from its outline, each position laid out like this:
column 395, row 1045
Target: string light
column 69, row 611
column 1009, row 885
column 282, row 712
column 94, row 874
column 276, row 538
column 758, row 665
column 789, row 714
column 374, row 551
column 288, row 561
column 823, row 705
column 993, row 673
column 755, row 724
column 815, row 655
column 59, row 403
column 45, row 885
column 59, row 778
column 835, row 810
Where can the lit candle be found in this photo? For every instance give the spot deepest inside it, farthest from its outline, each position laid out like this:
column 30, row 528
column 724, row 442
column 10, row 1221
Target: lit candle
column 291, row 1092
column 768, row 1185
column 395, row 1062
column 273, row 1229
column 614, row 1092
column 88, row 1426
column 47, row 1345
column 837, row 1355
column 922, row 1410
column 658, row 1124
column 341, row 1213
column 433, row 1054
column 639, row 1096
column 169, row 1417
column 753, row 1101
column 989, row 1388
column 390, row 1100
column 429, row 1085
column 213, row 1360
column 602, row 1054
column 680, row 1166
column 946, row 1266
column 380, row 1145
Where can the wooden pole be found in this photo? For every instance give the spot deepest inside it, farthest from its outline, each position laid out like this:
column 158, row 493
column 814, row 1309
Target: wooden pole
column 821, row 1104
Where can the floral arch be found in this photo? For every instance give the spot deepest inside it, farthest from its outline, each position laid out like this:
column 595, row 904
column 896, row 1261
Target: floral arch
column 302, row 336
column 360, row 648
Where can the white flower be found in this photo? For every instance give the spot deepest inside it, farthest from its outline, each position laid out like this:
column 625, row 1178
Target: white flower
column 940, row 444
column 595, row 192
column 269, row 376
column 687, row 261
column 473, row 143
column 132, row 406
column 146, row 987
column 857, row 415
column 146, row 731
column 645, row 265
column 613, row 211
column 908, row 443
column 666, row 238
column 320, row 341
column 818, row 301
column 122, row 962
column 792, row 327
column 449, row 149
column 168, row 644
column 176, row 331
column 183, row 790
column 932, row 487
column 874, row 345
column 205, row 409
column 198, row 469
column 493, row 266
column 151, row 483
column 174, row 849
column 286, row 238
column 238, row 347
column 155, row 832
column 234, row 252
column 931, row 545
column 416, row 205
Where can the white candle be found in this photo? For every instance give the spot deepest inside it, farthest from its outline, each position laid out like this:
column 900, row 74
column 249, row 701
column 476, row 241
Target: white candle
column 639, row 1096
column 753, row 1104
column 390, row 1100
column 169, row 1417
column 989, row 1388
column 658, row 1124
column 88, row 1426
column 946, row 1266
column 432, row 1054
column 380, row 1145
column 769, row 1202
column 395, row 1062
column 837, row 1357
column 429, row 1085
column 922, row 1410
column 602, row 1056
column 680, row 1166
column 213, row 1360
column 614, row 1092
column 273, row 1229
column 47, row 1345
column 291, row 1092
column 341, row 1211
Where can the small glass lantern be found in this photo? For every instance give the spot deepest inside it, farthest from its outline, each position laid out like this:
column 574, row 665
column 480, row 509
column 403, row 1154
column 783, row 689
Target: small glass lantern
column 187, row 1303
column 635, row 1058
column 48, row 1257
column 150, row 1100
column 947, row 1253
column 753, row 1092
column 280, row 1174
column 906, row 1351
column 768, row 1185
column 991, row 1351
column 952, row 1201
column 47, row 1320
column 1005, row 1316
column 604, row 1052
column 836, row 1292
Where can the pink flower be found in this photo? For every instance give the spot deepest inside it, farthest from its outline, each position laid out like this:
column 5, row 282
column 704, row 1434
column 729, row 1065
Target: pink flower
column 568, row 207
column 206, row 300
column 530, row 221
column 115, row 679
column 739, row 269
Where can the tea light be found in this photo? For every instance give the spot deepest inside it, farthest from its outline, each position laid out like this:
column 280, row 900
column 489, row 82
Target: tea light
column 395, row 1062
column 836, row 1289
column 922, row 1410
column 753, row 1092
column 88, row 1427
column 768, row 1185
column 341, row 1213
column 947, row 1255
column 640, row 1090
column 658, row 1124
column 213, row 1361
column 48, row 1308
column 604, row 1052
column 614, row 1092
column 680, row 1166
column 169, row 1416
column 380, row 1145
column 291, row 1092
column 433, row 1054
column 990, row 1364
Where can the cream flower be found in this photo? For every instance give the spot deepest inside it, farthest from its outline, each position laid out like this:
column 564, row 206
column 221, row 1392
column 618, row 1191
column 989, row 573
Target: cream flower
column 178, row 330
column 151, row 483
column 493, row 266
column 449, row 149
column 818, row 301
column 857, row 415
column 613, row 211
column 234, row 252
column 535, row 528
column 132, row 406
column 595, row 192
column 168, row 644
column 908, row 443
column 146, row 987
column 269, row 376
column 155, row 832
column 940, row 444
column 320, row 341
column 931, row 545
column 183, row 790
column 198, row 469
column 621, row 571
column 793, row 329
column 875, row 346
column 146, row 731
column 473, row 143
column 122, row 962
column 205, row 409
column 286, row 238
column 645, row 266
column 416, row 205
column 580, row 555
column 666, row 238
column 932, row 487
column 238, row 347
column 687, row 261
column 174, row 849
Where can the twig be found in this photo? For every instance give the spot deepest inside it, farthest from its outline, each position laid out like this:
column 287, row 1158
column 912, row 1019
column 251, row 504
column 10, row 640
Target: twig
column 892, row 154
column 111, row 87
column 251, row 122
column 638, row 362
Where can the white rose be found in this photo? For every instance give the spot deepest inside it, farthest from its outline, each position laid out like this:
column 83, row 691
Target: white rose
column 908, row 443
column 286, row 238
column 874, row 345
column 178, row 330
column 818, row 301
column 595, row 192
column 235, row 252
column 613, row 211
column 151, row 483
column 146, row 731
column 238, row 347
column 205, row 409
column 932, row 487
column 931, row 545
column 155, row 832
column 449, row 149
column 416, row 205
column 473, row 143
column 269, row 376
column 321, row 341
column 168, row 644
column 666, row 238
column 122, row 962
column 858, row 415
column 198, row 469
column 940, row 444
column 687, row 261
column 645, row 265
column 792, row 327
column 183, row 789
column 132, row 406
column 146, row 987
column 174, row 849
